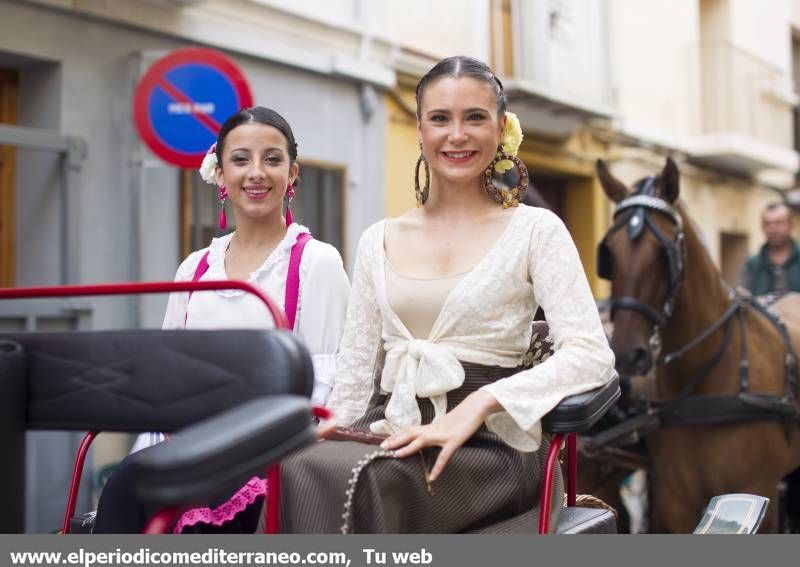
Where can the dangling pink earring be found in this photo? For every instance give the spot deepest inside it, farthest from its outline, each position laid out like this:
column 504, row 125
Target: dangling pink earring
column 223, row 195
column 289, row 197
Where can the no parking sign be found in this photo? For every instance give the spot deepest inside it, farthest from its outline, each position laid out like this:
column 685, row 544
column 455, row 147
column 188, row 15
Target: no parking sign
column 182, row 100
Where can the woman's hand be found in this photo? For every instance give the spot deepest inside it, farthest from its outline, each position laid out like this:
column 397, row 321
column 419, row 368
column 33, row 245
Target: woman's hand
column 325, row 427
column 449, row 432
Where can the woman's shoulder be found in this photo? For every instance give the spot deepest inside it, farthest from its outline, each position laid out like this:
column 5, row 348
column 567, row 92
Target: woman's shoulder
column 539, row 215
column 318, row 252
column 188, row 267
column 538, row 220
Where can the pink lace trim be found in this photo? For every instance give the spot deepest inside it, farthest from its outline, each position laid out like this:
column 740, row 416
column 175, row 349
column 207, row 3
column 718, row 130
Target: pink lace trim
column 245, row 496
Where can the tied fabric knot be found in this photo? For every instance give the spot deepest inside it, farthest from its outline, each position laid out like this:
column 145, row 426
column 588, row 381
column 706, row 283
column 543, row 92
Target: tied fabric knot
column 416, row 368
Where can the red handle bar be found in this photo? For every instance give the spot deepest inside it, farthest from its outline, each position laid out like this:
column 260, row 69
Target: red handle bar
column 145, row 287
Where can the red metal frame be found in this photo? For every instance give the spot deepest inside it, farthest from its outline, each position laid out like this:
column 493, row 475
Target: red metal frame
column 162, row 521
column 272, row 510
column 75, row 483
column 549, row 470
column 125, row 289
column 145, row 287
column 572, row 468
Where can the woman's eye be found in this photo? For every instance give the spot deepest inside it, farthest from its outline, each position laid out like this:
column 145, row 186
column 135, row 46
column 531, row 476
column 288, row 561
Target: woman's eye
column 438, row 118
column 239, row 160
column 273, row 159
column 476, row 116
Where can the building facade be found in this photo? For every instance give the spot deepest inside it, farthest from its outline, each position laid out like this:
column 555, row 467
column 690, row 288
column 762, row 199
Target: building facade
column 711, row 83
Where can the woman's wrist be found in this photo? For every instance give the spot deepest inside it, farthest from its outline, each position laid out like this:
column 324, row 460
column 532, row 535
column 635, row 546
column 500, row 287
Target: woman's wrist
column 483, row 403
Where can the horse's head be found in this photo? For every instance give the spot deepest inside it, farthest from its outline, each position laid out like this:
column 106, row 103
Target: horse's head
column 643, row 255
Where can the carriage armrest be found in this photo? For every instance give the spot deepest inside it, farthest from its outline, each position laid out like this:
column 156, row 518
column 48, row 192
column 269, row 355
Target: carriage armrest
column 580, row 412
column 219, row 454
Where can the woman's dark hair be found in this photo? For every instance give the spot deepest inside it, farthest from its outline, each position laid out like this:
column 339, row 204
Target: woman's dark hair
column 463, row 66
column 262, row 116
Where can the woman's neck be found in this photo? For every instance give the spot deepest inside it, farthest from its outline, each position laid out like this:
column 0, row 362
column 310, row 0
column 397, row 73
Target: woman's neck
column 457, row 199
column 258, row 233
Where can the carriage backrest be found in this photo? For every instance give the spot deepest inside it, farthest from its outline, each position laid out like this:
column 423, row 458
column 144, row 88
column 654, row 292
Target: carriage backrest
column 144, row 380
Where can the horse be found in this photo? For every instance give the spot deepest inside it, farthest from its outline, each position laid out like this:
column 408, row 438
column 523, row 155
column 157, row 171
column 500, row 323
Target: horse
column 724, row 410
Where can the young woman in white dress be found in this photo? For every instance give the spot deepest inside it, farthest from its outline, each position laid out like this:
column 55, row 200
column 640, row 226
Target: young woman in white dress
column 254, row 164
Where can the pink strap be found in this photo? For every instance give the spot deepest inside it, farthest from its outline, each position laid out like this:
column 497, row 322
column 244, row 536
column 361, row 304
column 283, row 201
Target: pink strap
column 202, row 268
column 293, row 278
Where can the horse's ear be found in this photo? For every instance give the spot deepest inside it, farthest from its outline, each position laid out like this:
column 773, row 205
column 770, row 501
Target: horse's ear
column 670, row 181
column 615, row 189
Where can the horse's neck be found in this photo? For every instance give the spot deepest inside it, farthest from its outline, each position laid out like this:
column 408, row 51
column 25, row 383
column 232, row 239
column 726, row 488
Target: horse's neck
column 701, row 301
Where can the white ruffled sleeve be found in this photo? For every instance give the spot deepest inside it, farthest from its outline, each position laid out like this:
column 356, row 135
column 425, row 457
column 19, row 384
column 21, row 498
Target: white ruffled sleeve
column 582, row 359
column 361, row 340
column 322, row 307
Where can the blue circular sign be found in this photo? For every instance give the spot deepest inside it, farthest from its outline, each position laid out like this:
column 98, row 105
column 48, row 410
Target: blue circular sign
column 182, row 101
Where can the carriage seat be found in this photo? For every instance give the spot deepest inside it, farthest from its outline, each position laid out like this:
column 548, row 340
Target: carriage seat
column 575, row 414
column 164, row 483
column 143, row 380
column 215, row 456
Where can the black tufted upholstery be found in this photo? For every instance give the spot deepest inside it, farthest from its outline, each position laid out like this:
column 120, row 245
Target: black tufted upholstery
column 133, row 381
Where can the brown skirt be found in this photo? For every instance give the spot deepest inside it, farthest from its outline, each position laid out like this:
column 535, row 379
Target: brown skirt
column 351, row 487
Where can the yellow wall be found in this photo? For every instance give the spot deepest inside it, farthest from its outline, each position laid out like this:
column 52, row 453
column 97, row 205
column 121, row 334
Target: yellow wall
column 402, row 151
column 586, row 206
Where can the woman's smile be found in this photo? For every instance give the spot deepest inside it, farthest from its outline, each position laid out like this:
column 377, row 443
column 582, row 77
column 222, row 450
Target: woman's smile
column 256, row 192
column 459, row 157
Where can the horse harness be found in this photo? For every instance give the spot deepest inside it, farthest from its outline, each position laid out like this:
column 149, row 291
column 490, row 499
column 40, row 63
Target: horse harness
column 634, row 213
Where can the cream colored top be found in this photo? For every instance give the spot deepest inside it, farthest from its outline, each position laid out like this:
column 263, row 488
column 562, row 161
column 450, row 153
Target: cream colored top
column 418, row 301
column 486, row 319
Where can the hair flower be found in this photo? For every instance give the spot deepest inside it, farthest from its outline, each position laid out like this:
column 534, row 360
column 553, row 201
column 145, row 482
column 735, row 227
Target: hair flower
column 512, row 138
column 208, row 169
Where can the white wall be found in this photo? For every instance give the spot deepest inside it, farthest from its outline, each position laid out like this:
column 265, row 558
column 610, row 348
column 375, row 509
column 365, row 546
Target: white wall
column 763, row 29
column 440, row 28
column 653, row 45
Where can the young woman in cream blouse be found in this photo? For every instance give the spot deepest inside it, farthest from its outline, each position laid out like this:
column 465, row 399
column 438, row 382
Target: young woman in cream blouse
column 437, row 326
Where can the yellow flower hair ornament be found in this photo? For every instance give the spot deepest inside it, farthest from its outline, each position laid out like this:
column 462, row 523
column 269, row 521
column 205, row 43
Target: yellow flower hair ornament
column 512, row 138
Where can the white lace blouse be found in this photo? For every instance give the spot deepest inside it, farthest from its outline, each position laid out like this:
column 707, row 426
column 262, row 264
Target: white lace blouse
column 486, row 319
column 321, row 304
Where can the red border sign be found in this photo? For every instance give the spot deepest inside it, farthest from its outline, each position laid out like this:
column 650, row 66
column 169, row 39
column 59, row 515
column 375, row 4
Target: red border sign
column 155, row 78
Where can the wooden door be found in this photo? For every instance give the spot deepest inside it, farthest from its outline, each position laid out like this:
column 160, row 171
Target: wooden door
column 8, row 161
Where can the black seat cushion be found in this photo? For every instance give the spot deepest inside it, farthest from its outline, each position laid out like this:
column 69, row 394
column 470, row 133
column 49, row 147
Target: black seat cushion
column 220, row 453
column 576, row 520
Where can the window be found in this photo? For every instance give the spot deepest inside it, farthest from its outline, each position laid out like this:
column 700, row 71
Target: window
column 319, row 202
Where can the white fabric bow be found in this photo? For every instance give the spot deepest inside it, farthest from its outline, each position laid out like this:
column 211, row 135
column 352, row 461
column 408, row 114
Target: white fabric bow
column 416, row 368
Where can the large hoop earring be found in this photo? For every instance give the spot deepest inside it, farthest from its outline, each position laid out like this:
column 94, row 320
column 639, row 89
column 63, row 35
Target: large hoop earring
column 422, row 194
column 506, row 197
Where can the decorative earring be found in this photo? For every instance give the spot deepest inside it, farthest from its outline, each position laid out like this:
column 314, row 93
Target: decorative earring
column 422, row 194
column 223, row 195
column 506, row 197
column 289, row 197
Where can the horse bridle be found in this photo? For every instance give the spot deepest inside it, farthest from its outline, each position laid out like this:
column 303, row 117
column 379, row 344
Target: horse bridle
column 685, row 408
column 637, row 208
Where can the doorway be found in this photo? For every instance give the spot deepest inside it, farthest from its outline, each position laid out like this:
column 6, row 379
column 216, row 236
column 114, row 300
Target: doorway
column 9, row 83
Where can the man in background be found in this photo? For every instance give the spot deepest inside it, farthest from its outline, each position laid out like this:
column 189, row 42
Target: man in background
column 776, row 268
